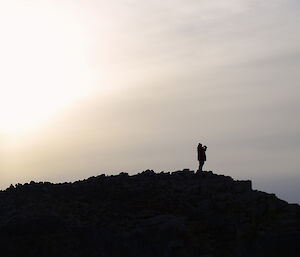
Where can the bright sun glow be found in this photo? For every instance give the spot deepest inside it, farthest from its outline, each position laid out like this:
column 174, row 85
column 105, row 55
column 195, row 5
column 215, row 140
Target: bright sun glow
column 43, row 65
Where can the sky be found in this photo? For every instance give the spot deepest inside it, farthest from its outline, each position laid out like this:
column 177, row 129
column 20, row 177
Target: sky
column 91, row 87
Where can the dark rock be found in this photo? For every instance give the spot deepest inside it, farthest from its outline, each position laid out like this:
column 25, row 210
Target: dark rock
column 182, row 214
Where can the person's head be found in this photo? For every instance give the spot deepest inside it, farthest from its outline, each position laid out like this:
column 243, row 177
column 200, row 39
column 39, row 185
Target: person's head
column 200, row 144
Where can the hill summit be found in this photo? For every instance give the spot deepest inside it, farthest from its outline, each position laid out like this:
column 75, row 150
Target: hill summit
column 178, row 214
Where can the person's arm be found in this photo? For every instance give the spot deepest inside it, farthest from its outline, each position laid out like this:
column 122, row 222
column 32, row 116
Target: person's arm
column 205, row 147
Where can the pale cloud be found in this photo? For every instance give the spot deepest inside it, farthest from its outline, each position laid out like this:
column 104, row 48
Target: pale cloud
column 173, row 35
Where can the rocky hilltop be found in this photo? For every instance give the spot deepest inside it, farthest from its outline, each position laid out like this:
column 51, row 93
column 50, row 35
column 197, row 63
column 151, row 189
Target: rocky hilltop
column 179, row 214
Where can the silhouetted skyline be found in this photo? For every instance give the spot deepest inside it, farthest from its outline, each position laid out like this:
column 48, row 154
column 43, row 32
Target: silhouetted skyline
column 91, row 87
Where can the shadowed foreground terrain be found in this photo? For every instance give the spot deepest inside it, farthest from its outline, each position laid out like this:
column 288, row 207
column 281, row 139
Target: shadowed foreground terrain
column 182, row 214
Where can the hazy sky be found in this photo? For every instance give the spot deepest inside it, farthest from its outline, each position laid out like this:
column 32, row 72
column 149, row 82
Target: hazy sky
column 90, row 87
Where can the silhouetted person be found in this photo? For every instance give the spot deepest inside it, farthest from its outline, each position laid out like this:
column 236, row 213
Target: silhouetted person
column 201, row 155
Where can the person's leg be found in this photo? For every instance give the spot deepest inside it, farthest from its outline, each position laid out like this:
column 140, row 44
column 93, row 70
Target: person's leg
column 201, row 163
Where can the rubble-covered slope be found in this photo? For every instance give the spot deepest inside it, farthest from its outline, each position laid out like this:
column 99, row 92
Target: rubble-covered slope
column 182, row 214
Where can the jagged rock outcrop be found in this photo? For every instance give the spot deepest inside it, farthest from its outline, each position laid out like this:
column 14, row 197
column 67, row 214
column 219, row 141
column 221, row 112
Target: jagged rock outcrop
column 182, row 214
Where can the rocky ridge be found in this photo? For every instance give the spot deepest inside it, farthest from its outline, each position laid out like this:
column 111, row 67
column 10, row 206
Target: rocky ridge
column 183, row 213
